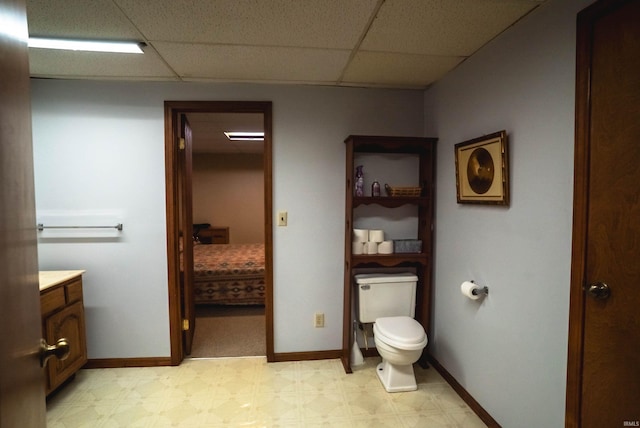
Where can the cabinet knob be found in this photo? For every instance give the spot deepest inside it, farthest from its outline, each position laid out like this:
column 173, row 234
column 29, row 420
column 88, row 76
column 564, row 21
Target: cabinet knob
column 60, row 350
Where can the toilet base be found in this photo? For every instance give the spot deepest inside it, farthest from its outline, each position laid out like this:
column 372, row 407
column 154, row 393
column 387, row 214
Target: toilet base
column 396, row 378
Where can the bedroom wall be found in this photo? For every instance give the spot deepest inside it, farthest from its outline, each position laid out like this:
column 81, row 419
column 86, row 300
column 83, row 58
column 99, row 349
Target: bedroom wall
column 510, row 350
column 228, row 190
column 99, row 146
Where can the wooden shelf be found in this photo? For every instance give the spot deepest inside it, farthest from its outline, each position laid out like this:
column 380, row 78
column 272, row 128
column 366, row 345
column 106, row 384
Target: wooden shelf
column 390, row 201
column 421, row 263
column 389, row 260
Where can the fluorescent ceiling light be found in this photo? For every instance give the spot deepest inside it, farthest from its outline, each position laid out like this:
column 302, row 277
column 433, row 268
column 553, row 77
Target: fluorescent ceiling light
column 86, row 45
column 245, row 136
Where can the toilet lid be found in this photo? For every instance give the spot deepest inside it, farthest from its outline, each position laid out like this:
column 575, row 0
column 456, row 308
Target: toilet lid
column 401, row 332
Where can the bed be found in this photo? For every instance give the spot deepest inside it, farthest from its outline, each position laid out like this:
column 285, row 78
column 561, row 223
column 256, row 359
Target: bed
column 228, row 274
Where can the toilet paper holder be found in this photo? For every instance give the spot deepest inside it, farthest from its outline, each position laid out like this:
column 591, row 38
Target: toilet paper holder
column 484, row 291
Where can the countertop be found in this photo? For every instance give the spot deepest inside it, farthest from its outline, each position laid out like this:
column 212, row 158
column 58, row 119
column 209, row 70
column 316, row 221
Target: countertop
column 49, row 278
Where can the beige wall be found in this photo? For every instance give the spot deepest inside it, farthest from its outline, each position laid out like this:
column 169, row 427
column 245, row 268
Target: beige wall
column 228, row 191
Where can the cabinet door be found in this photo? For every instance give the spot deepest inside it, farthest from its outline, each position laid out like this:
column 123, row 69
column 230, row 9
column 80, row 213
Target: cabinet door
column 68, row 323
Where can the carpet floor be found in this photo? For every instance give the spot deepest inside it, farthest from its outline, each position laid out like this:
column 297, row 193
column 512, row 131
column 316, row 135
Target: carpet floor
column 229, row 331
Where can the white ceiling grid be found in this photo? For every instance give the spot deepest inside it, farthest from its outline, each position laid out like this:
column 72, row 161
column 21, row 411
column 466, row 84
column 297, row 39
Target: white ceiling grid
column 369, row 43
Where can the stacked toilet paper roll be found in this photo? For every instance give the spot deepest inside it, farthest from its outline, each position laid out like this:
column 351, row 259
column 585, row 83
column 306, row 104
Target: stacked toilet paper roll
column 385, row 247
column 372, row 241
column 360, row 235
column 371, row 247
column 376, row 235
column 359, row 241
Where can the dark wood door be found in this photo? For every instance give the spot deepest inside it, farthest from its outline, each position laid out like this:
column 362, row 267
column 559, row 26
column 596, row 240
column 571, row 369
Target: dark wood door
column 185, row 170
column 22, row 399
column 604, row 355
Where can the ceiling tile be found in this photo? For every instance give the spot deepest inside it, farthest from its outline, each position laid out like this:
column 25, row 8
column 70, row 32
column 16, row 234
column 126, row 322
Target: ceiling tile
column 312, row 23
column 397, row 70
column 252, row 63
column 441, row 27
column 82, row 19
column 53, row 63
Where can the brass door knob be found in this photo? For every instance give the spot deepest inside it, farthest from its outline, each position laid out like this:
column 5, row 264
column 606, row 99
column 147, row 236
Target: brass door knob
column 60, row 350
column 598, row 290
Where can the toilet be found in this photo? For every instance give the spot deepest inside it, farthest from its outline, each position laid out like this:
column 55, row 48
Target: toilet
column 389, row 301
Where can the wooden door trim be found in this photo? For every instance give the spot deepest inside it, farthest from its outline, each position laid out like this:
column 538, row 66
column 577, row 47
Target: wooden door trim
column 185, row 180
column 171, row 111
column 585, row 23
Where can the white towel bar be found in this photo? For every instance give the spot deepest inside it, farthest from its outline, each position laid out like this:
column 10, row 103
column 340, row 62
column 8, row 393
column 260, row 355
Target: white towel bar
column 42, row 227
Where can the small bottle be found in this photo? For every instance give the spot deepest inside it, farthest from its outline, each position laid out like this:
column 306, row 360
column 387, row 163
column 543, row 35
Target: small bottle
column 359, row 181
column 375, row 188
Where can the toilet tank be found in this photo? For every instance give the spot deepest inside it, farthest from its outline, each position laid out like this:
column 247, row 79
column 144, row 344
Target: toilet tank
column 385, row 295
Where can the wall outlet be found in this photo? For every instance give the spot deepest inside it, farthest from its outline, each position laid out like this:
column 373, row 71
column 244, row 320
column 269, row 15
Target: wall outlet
column 318, row 320
column 282, row 218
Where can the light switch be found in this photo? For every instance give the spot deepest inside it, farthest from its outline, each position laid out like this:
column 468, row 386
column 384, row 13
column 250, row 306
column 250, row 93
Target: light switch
column 282, row 218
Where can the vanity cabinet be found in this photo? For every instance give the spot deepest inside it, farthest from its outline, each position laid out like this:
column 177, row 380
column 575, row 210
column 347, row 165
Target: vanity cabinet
column 62, row 311
column 421, row 155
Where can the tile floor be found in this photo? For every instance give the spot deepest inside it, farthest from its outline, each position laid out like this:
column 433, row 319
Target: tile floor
column 248, row 392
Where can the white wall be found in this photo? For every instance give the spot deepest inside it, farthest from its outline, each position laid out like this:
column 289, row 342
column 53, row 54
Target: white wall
column 100, row 146
column 510, row 350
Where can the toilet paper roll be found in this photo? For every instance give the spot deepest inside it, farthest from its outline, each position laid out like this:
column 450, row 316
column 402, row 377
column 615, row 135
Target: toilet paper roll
column 376, row 235
column 467, row 288
column 358, row 247
column 371, row 247
column 360, row 235
column 385, row 247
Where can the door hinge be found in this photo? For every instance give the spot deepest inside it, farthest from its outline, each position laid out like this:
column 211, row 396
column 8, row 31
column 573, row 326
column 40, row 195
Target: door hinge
column 185, row 324
column 181, row 144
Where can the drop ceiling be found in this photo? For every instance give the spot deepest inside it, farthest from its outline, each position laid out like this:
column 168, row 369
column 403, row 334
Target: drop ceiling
column 365, row 43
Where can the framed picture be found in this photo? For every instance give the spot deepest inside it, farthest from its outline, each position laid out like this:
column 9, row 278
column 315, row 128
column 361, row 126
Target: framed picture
column 482, row 173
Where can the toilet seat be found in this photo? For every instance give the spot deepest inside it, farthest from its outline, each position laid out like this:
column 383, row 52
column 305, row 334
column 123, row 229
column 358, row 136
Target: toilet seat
column 400, row 332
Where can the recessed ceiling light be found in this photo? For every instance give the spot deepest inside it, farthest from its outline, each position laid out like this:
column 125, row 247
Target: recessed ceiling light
column 86, row 45
column 245, row 136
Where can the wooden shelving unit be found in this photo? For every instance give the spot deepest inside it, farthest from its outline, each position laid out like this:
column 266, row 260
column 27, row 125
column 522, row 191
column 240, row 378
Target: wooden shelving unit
column 424, row 149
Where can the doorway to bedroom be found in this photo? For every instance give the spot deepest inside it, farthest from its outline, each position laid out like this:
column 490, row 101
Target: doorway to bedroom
column 228, row 216
column 222, row 226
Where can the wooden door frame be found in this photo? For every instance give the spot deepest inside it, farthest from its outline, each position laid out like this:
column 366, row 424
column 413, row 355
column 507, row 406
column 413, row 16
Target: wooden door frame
column 171, row 111
column 185, row 222
column 585, row 22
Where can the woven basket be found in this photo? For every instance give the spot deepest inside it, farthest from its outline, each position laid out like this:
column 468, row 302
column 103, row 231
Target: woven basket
column 403, row 191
